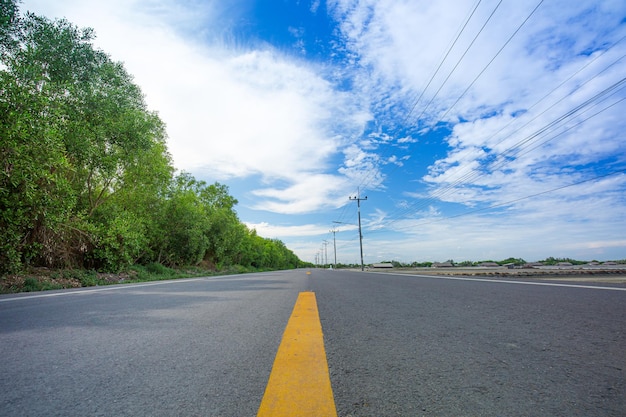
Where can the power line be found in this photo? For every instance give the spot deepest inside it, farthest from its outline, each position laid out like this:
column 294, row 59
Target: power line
column 576, row 125
column 488, row 64
column 460, row 59
column 467, row 20
column 522, row 147
column 366, row 177
column 512, row 152
column 491, row 61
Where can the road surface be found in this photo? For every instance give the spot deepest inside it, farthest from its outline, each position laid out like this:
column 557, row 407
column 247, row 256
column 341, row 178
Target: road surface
column 395, row 346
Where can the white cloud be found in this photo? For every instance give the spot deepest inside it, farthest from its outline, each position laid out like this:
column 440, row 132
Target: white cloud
column 401, row 43
column 308, row 194
column 361, row 165
column 315, row 4
column 277, row 231
column 230, row 112
column 538, row 230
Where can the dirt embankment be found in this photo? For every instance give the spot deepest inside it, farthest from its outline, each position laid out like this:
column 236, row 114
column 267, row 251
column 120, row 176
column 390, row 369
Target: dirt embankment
column 39, row 279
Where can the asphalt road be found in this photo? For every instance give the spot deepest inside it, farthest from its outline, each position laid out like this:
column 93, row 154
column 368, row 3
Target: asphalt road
column 396, row 346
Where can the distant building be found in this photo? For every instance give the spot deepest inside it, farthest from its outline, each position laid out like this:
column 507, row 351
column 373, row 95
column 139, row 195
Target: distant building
column 442, row 265
column 488, row 264
column 382, row 265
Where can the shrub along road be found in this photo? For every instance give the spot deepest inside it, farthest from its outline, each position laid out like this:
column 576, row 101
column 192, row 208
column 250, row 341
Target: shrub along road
column 395, row 345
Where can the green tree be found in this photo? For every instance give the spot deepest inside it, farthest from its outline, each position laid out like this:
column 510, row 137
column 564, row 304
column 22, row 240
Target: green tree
column 78, row 144
column 252, row 246
column 35, row 196
column 516, row 261
column 8, row 19
column 200, row 223
column 85, row 176
column 183, row 222
column 225, row 232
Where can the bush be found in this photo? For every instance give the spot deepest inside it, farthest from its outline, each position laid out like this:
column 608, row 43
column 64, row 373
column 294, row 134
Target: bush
column 120, row 241
column 33, row 284
column 158, row 269
column 153, row 271
column 88, row 278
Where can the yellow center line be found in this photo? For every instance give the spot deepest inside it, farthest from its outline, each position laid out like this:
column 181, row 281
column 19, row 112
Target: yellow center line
column 299, row 384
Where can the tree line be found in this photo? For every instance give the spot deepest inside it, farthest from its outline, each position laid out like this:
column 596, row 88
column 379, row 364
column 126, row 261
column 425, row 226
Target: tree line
column 86, row 180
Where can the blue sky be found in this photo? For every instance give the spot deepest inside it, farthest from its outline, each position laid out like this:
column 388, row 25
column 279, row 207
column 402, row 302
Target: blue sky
column 477, row 129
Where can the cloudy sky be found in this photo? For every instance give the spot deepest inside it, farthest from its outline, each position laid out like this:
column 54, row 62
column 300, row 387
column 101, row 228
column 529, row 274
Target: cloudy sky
column 477, row 129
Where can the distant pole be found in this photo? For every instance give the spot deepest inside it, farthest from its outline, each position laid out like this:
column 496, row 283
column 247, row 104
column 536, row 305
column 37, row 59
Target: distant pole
column 326, row 252
column 335, row 246
column 358, row 200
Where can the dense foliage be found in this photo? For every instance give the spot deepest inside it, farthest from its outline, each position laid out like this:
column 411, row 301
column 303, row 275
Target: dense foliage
column 86, row 180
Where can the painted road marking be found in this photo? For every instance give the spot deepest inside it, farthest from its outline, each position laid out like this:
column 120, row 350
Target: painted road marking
column 502, row 281
column 128, row 286
column 299, row 384
column 82, row 291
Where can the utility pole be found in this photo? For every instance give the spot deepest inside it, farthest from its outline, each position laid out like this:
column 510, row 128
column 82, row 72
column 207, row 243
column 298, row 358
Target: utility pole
column 326, row 252
column 334, row 240
column 335, row 246
column 358, row 200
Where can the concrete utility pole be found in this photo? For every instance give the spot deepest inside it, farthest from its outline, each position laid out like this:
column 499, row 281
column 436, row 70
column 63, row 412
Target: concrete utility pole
column 358, row 200
column 335, row 246
column 334, row 240
column 326, row 252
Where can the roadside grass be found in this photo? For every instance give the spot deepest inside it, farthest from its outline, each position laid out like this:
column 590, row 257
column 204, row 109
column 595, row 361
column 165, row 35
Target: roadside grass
column 43, row 279
column 32, row 284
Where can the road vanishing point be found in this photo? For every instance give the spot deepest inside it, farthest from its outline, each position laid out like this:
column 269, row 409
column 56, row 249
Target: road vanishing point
column 317, row 343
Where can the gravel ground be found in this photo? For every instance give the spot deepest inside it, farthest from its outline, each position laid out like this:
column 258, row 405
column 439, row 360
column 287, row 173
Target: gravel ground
column 608, row 274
